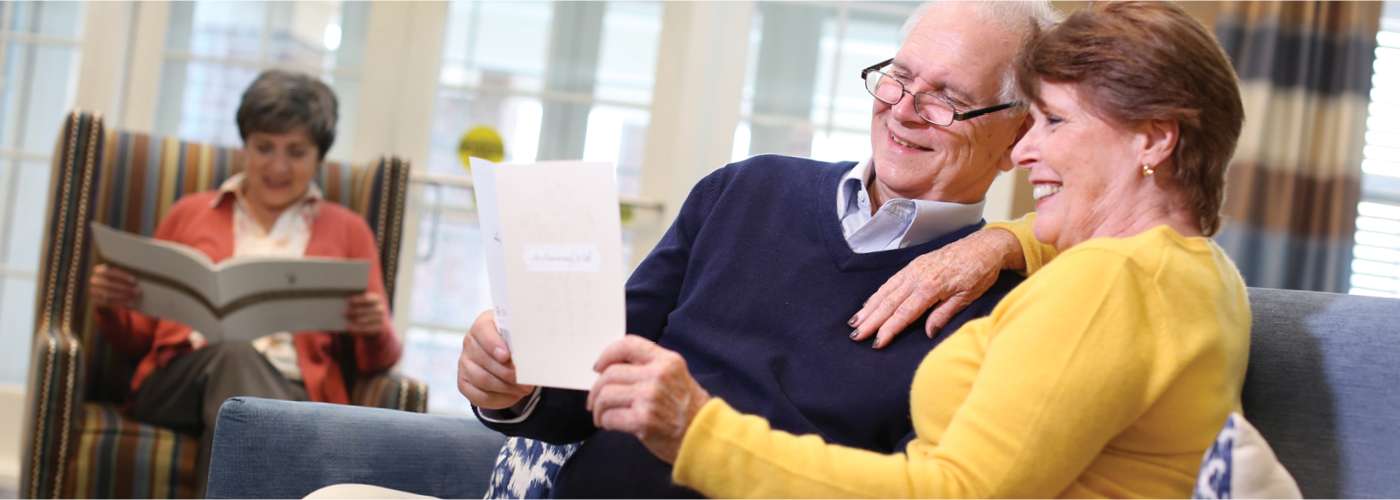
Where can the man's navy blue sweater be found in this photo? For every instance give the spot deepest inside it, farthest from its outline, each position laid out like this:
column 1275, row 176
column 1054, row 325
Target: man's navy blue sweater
column 753, row 285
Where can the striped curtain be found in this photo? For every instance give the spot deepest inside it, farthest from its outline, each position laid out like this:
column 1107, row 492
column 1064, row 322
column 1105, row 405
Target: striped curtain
column 1290, row 205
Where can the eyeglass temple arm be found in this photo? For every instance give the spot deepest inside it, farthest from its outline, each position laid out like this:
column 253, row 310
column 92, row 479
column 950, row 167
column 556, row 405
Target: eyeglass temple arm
column 974, row 114
column 866, row 71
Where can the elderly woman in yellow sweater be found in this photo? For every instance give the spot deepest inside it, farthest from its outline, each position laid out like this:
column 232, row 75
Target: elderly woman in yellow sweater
column 1106, row 374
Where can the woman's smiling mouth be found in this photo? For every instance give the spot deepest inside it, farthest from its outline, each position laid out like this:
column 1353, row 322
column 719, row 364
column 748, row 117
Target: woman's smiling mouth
column 1042, row 191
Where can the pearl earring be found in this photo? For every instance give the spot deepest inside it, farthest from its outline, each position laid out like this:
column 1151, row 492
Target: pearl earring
column 1146, row 170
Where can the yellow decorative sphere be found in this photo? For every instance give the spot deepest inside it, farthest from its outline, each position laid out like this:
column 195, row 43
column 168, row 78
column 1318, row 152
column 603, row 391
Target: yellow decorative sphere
column 482, row 142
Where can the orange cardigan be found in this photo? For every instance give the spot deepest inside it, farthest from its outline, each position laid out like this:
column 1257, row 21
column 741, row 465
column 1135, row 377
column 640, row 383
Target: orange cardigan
column 336, row 232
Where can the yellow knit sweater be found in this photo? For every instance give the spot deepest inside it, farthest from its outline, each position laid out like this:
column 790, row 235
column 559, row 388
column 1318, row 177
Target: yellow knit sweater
column 1105, row 374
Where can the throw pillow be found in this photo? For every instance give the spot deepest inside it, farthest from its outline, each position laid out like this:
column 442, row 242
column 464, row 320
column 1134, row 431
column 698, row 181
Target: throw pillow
column 526, row 468
column 1241, row 465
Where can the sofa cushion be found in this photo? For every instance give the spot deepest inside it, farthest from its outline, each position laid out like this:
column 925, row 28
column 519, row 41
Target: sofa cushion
column 1322, row 388
column 117, row 457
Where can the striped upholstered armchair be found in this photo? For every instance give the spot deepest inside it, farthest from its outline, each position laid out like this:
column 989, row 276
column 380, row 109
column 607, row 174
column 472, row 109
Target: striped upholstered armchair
column 79, row 444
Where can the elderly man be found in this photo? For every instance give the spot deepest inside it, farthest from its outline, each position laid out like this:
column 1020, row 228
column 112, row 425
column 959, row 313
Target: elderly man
column 747, row 284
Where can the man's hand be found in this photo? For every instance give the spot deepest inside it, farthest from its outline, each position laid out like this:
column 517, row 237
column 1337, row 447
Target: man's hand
column 366, row 314
column 485, row 373
column 112, row 287
column 951, row 277
column 646, row 391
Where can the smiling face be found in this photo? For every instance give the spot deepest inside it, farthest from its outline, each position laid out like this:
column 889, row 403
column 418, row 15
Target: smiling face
column 951, row 55
column 1086, row 171
column 279, row 168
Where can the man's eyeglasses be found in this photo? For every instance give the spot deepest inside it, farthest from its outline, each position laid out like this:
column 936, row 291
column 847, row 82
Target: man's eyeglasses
column 932, row 108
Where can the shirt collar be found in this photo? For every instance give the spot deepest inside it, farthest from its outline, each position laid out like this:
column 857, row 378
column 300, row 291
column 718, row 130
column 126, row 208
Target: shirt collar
column 234, row 187
column 852, row 185
column 931, row 219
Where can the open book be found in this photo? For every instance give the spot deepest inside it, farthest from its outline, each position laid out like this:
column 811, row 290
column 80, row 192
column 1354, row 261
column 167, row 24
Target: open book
column 241, row 298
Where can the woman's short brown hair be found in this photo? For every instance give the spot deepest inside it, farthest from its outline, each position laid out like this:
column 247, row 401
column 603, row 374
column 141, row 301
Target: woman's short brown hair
column 279, row 101
column 1137, row 61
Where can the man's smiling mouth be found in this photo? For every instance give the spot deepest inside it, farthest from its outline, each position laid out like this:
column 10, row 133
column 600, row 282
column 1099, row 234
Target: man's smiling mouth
column 897, row 140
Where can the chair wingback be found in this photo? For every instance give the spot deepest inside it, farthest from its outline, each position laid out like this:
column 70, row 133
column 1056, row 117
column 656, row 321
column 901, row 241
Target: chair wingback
column 129, row 180
column 56, row 365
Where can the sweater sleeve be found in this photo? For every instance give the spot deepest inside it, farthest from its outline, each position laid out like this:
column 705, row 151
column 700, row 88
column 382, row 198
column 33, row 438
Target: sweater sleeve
column 653, row 291
column 1037, row 254
column 1067, row 366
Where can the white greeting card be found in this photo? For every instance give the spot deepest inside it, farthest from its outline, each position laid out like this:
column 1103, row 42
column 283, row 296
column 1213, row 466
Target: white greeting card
column 552, row 237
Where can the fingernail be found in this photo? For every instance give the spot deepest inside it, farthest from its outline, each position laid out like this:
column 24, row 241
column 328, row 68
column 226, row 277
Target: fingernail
column 854, row 333
column 500, row 354
column 852, row 321
column 877, row 344
column 934, row 332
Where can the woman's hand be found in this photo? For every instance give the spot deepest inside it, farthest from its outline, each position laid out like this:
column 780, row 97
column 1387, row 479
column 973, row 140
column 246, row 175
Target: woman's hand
column 366, row 314
column 951, row 277
column 646, row 391
column 112, row 288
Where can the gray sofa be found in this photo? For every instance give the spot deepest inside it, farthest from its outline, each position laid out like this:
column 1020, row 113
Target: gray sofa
column 1323, row 387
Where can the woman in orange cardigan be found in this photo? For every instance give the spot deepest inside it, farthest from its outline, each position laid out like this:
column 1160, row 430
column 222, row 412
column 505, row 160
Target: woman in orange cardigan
column 271, row 209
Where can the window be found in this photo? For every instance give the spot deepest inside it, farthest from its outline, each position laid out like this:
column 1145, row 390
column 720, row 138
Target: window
column 555, row 80
column 1376, row 257
column 39, row 50
column 801, row 93
column 213, row 50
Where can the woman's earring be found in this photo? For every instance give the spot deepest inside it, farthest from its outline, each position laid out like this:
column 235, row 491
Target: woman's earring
column 1146, row 170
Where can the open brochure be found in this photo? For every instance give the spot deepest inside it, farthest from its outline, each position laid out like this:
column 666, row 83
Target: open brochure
column 552, row 238
column 241, row 298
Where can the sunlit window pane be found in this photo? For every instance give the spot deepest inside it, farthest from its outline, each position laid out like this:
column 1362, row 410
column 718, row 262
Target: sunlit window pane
column 1379, row 210
column 214, row 49
column 38, row 81
column 496, row 58
column 1377, row 239
column 834, row 122
column 1386, row 226
column 1375, row 268
column 1377, row 254
column 1377, row 283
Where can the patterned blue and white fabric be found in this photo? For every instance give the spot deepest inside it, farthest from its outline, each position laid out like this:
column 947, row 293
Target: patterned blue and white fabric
column 526, row 468
column 1240, row 464
column 1214, row 479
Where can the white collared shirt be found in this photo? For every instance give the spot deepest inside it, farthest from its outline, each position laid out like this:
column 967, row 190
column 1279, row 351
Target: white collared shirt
column 899, row 223
column 288, row 237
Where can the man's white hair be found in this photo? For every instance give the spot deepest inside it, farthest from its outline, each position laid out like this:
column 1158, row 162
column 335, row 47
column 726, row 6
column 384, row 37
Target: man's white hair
column 1017, row 17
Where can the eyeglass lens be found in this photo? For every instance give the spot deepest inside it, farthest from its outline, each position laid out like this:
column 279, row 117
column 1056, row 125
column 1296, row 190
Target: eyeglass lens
column 890, row 91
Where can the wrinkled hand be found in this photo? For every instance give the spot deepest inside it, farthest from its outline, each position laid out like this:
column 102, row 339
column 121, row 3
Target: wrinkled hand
column 485, row 373
column 112, row 287
column 646, row 391
column 366, row 314
column 951, row 277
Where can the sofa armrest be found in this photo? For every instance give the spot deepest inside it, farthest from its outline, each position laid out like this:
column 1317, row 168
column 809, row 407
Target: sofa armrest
column 282, row 449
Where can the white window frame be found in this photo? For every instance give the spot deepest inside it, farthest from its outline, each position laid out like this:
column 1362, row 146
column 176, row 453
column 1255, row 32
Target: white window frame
column 1376, row 254
column 8, row 210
